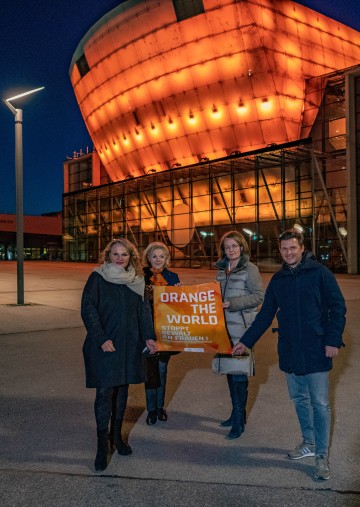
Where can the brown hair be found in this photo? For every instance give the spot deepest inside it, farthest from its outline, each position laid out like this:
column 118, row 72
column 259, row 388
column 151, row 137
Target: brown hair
column 149, row 250
column 290, row 234
column 130, row 248
column 236, row 236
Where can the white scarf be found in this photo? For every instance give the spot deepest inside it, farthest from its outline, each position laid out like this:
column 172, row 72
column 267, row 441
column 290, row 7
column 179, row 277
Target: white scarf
column 116, row 274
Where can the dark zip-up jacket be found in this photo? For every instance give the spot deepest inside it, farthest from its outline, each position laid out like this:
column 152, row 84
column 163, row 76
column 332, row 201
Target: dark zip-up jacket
column 310, row 311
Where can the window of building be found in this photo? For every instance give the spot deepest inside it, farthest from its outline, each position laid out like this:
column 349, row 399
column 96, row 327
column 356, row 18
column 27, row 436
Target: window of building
column 186, row 9
column 82, row 65
column 79, row 175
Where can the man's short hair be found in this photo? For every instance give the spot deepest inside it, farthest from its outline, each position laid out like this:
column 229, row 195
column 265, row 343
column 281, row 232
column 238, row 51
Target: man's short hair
column 290, row 234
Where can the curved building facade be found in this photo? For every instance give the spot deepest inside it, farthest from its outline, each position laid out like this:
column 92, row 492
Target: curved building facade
column 168, row 83
column 208, row 115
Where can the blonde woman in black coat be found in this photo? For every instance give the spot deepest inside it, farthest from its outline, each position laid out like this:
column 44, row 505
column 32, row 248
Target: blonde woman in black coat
column 118, row 323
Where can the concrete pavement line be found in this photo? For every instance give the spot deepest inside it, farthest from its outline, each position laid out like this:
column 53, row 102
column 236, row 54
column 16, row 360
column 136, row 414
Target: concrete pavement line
column 104, row 475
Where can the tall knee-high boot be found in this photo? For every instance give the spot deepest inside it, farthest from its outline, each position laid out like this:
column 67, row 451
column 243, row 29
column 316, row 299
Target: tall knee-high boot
column 113, row 418
column 240, row 393
column 122, row 448
column 102, row 451
column 228, row 422
column 102, row 409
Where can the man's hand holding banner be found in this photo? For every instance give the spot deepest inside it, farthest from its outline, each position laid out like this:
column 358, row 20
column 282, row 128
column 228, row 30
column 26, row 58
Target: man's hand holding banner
column 190, row 318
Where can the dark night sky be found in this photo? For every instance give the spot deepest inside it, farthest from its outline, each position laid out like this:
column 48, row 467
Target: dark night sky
column 37, row 41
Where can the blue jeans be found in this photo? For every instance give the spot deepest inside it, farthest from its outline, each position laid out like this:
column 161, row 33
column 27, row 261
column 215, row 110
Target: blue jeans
column 310, row 394
column 155, row 398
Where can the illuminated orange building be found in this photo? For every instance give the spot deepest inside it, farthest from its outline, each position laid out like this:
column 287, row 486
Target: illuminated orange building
column 170, row 84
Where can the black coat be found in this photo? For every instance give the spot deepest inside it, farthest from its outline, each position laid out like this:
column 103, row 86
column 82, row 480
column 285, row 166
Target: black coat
column 310, row 310
column 114, row 312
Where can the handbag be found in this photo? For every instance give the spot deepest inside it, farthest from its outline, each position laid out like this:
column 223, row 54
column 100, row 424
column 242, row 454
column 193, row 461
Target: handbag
column 226, row 364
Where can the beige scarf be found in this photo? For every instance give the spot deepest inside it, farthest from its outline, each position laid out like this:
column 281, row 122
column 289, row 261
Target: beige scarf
column 116, row 274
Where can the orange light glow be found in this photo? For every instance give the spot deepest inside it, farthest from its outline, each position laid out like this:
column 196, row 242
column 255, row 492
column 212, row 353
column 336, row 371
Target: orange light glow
column 231, row 78
column 215, row 112
column 116, row 147
column 265, row 104
column 138, row 135
column 191, row 118
column 241, row 107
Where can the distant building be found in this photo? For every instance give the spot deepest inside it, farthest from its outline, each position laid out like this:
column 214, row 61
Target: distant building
column 207, row 116
column 42, row 237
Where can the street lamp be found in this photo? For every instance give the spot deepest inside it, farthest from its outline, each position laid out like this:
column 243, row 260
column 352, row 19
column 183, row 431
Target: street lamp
column 250, row 233
column 19, row 192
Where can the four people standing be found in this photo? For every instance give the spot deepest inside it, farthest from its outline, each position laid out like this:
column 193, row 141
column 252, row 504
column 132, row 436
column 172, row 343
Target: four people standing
column 304, row 296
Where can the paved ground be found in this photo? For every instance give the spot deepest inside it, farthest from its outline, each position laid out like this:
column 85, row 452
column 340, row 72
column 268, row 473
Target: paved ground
column 47, row 433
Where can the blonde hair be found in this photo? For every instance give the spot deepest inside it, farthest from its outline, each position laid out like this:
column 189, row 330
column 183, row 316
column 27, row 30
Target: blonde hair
column 150, row 249
column 236, row 236
column 131, row 249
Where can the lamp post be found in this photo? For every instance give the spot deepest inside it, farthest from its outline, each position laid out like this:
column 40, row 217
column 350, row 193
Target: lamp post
column 19, row 192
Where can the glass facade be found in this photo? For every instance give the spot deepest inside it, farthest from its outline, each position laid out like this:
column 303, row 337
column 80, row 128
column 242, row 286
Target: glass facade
column 80, row 174
column 258, row 193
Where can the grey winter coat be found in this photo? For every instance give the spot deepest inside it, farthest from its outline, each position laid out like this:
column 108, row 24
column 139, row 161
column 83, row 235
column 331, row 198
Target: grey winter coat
column 243, row 288
column 112, row 311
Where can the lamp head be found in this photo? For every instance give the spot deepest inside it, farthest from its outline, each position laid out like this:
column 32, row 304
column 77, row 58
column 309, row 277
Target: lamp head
column 24, row 94
column 8, row 104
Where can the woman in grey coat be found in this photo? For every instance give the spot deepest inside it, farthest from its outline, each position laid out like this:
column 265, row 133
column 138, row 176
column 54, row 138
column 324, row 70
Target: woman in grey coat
column 242, row 292
column 119, row 326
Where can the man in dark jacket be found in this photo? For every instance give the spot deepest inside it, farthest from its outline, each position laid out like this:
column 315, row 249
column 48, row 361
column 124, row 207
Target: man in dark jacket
column 310, row 311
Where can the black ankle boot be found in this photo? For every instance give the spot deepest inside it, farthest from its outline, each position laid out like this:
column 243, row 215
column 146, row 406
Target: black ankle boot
column 240, row 395
column 162, row 415
column 151, row 417
column 102, row 451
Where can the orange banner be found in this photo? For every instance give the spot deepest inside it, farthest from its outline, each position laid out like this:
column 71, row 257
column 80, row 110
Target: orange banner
column 190, row 318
